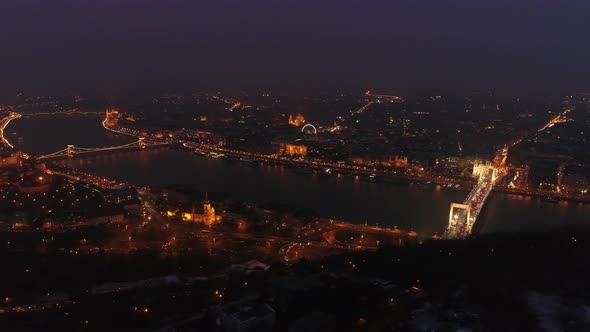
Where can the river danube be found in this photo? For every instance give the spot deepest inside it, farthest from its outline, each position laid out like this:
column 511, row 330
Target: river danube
column 405, row 206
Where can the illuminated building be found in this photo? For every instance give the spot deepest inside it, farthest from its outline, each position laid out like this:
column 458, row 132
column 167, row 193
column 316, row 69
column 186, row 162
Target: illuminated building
column 112, row 117
column 396, row 161
column 399, row 161
column 298, row 121
column 293, row 150
column 208, row 217
column 236, row 104
column 10, row 160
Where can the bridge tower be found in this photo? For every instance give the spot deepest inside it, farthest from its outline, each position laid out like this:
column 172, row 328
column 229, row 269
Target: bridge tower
column 481, row 170
column 459, row 220
column 141, row 143
column 70, row 150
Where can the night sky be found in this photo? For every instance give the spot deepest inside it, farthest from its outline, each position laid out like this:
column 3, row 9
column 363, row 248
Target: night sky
column 120, row 47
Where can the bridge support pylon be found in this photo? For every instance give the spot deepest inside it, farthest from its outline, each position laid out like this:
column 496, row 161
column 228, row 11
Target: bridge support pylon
column 459, row 221
column 70, row 150
column 141, row 143
column 481, row 170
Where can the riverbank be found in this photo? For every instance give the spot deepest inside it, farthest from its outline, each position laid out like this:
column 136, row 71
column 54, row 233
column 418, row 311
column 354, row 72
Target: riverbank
column 549, row 195
column 373, row 174
column 358, row 199
column 3, row 124
column 364, row 172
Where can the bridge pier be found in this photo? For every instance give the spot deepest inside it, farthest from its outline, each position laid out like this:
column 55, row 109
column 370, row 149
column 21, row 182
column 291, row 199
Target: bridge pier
column 141, row 143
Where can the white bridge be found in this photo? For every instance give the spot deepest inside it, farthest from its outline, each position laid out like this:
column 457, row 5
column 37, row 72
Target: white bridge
column 70, row 151
column 463, row 216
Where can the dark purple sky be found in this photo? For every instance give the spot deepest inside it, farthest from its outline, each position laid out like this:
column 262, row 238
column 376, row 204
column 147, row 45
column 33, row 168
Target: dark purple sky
column 115, row 47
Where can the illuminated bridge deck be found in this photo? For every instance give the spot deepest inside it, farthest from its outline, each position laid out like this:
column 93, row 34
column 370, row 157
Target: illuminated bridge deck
column 71, row 151
column 462, row 217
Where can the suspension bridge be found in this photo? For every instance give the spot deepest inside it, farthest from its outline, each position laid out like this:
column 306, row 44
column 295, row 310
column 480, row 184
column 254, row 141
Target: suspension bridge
column 68, row 112
column 71, row 151
column 462, row 217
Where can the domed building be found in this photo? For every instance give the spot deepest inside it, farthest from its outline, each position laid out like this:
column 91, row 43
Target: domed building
column 297, row 121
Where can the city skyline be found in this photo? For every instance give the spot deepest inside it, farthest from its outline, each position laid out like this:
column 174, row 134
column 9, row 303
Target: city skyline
column 274, row 166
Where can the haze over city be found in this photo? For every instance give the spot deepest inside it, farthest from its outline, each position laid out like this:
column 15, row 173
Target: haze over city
column 113, row 48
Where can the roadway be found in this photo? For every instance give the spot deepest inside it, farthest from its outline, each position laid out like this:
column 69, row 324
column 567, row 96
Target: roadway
column 317, row 164
column 3, row 124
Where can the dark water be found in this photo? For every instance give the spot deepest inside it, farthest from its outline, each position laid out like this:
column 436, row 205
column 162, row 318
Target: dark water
column 424, row 210
column 44, row 134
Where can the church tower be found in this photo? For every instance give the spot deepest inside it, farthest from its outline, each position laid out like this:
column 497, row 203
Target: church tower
column 208, row 211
